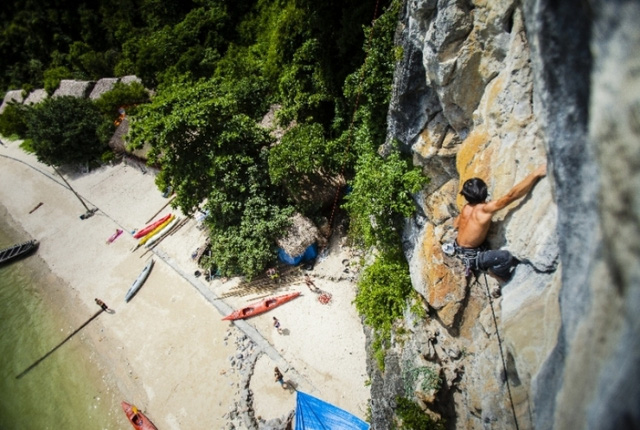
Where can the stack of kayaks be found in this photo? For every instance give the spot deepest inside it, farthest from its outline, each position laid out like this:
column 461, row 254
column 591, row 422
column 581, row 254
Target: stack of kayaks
column 162, row 232
column 156, row 230
column 143, row 232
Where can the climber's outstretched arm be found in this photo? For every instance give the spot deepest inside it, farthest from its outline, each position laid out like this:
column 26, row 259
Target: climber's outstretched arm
column 518, row 191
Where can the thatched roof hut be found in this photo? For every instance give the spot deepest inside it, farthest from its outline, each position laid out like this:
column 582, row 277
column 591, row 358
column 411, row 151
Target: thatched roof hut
column 73, row 88
column 130, row 79
column 299, row 236
column 101, row 87
column 11, row 96
column 117, row 141
column 36, row 96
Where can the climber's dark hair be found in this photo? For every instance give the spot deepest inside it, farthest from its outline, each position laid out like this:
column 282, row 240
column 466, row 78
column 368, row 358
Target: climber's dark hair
column 474, row 190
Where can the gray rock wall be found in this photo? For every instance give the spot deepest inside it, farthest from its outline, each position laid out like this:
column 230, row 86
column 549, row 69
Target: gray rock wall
column 493, row 89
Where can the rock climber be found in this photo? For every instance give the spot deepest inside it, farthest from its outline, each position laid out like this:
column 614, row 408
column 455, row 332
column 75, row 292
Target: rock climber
column 475, row 219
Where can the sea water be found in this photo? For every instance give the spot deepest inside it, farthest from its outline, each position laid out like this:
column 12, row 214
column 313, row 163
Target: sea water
column 65, row 390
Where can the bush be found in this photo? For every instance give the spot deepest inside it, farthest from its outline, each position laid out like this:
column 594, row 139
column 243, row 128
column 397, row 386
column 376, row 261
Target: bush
column 381, row 196
column 382, row 296
column 414, row 418
column 13, row 121
column 27, row 146
column 65, row 130
column 300, row 152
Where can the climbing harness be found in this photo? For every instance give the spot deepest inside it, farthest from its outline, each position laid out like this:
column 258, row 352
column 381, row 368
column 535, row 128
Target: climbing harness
column 469, row 256
column 504, row 363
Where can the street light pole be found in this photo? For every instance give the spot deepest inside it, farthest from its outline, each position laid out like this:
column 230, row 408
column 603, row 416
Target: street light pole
column 74, row 191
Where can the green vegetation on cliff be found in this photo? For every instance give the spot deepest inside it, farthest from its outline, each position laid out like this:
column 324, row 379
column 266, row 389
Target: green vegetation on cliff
column 216, row 68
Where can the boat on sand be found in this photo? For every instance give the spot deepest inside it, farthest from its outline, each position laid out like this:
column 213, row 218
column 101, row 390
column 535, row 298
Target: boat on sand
column 143, row 232
column 137, row 419
column 16, row 251
column 139, row 281
column 261, row 307
column 156, row 230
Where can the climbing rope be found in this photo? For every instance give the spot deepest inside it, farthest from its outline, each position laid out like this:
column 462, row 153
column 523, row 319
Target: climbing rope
column 504, row 362
column 347, row 147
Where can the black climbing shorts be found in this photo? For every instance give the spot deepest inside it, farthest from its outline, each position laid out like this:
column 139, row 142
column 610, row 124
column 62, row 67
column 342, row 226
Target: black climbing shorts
column 499, row 262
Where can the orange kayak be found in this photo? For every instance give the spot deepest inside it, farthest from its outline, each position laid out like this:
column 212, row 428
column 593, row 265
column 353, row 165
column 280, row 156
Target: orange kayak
column 137, row 419
column 261, row 307
column 150, row 227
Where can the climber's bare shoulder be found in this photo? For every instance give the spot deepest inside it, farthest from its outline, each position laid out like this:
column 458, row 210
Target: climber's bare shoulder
column 473, row 225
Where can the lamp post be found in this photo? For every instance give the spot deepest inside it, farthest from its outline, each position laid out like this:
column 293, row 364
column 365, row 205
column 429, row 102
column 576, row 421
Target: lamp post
column 89, row 211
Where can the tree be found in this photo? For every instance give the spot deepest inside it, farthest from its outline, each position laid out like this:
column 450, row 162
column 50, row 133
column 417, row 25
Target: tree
column 209, row 151
column 67, row 130
column 300, row 152
column 127, row 95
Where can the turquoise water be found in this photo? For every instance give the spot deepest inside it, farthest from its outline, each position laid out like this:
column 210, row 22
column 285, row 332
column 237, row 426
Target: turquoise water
column 65, row 390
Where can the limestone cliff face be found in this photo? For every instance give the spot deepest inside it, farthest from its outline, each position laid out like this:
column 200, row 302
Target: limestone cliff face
column 493, row 89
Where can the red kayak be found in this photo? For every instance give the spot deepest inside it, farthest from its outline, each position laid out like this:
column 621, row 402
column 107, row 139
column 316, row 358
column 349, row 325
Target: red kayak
column 150, row 227
column 261, row 307
column 137, row 419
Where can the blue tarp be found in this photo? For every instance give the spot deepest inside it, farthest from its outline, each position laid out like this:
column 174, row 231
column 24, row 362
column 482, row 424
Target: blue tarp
column 315, row 414
column 309, row 254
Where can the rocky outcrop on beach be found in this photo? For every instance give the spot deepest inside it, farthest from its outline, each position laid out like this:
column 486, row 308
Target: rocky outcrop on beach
column 241, row 414
column 494, row 89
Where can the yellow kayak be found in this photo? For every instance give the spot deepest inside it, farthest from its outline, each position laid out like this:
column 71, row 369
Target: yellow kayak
column 156, row 230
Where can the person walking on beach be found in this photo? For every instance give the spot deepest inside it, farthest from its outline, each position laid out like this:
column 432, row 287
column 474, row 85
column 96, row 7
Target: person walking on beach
column 102, row 304
column 276, row 324
column 310, row 284
column 279, row 378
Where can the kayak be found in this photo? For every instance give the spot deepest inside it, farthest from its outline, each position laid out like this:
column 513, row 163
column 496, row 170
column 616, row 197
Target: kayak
column 162, row 232
column 156, row 230
column 137, row 419
column 150, row 227
column 139, row 281
column 114, row 236
column 261, row 307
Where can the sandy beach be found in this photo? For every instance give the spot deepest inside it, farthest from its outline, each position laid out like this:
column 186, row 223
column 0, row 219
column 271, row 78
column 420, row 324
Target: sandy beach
column 167, row 350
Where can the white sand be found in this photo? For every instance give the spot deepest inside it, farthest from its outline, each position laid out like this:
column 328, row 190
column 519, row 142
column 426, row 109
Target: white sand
column 167, row 351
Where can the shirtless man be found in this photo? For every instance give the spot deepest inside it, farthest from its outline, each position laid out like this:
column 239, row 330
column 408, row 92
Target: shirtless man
column 475, row 219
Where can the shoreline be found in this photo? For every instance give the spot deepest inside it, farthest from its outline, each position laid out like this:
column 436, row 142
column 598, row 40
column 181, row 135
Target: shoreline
column 167, row 351
column 62, row 319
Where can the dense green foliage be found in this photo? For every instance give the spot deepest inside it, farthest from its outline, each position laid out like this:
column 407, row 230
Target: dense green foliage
column 216, row 67
column 67, row 130
column 382, row 188
column 122, row 95
column 209, row 150
column 13, row 120
column 381, row 195
column 383, row 291
column 45, row 41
